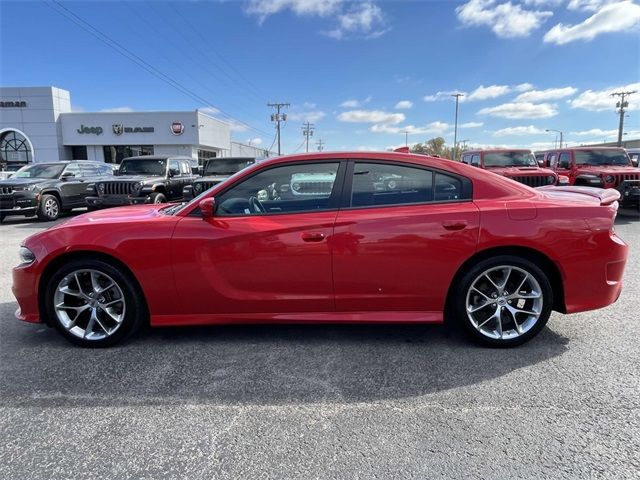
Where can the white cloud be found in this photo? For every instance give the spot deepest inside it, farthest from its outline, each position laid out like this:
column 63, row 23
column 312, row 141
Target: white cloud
column 471, row 125
column 354, row 103
column 521, row 110
column 363, row 19
column 522, row 130
column 435, row 128
column 548, row 94
column 600, row 100
column 117, row 110
column 505, row 19
column 523, row 87
column 614, row 17
column 586, row 5
column 404, row 104
column 485, row 93
column 306, row 116
column 595, row 132
column 211, row 111
column 371, row 116
column 441, row 96
column 264, row 8
column 254, row 141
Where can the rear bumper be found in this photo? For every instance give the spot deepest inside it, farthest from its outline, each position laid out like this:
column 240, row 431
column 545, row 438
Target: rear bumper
column 115, row 201
column 596, row 280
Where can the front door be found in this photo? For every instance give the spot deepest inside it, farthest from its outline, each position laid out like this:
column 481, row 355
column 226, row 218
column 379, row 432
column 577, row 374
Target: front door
column 267, row 249
column 73, row 188
column 397, row 245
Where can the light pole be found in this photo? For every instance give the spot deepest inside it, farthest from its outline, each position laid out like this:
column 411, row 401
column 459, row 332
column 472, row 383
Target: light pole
column 455, row 128
column 557, row 131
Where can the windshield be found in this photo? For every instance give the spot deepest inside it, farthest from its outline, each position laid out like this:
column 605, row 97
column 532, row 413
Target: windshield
column 152, row 166
column 226, row 166
column 50, row 170
column 509, row 159
column 601, row 157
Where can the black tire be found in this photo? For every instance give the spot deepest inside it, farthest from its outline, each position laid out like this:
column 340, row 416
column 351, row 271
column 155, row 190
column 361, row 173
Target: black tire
column 459, row 300
column 49, row 208
column 157, row 197
column 135, row 313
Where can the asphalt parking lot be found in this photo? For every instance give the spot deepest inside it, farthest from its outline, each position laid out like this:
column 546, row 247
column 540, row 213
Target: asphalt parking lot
column 323, row 401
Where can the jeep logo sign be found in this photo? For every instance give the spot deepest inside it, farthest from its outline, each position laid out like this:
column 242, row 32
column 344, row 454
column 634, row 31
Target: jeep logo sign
column 90, row 130
column 177, row 128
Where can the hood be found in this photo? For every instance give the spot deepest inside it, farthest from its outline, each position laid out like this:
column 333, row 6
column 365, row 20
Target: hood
column 133, row 178
column 24, row 182
column 607, row 169
column 134, row 213
column 521, row 171
column 213, row 178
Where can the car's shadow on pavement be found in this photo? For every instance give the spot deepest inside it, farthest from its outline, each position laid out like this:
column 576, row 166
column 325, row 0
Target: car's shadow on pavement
column 265, row 365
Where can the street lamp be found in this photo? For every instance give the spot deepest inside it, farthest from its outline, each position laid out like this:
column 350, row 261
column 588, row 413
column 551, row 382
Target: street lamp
column 455, row 129
column 557, row 131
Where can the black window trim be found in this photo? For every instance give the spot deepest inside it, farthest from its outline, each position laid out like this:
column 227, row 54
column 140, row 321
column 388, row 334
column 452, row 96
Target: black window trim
column 334, row 199
column 467, row 185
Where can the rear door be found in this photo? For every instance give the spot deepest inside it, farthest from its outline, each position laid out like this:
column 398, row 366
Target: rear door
column 401, row 235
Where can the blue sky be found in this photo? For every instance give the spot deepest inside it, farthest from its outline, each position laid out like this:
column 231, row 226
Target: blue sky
column 363, row 72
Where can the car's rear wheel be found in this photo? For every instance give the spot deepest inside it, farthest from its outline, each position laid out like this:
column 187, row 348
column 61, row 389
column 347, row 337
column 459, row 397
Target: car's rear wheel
column 92, row 303
column 157, row 197
column 49, row 208
column 503, row 301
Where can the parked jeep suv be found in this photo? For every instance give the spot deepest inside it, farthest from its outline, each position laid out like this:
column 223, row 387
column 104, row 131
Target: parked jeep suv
column 602, row 167
column 518, row 165
column 145, row 179
column 215, row 171
column 47, row 189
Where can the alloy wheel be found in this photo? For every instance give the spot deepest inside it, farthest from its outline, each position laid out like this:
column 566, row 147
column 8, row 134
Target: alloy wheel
column 89, row 304
column 504, row 302
column 51, row 208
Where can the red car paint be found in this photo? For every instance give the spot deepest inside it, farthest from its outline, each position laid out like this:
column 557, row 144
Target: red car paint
column 531, row 175
column 374, row 264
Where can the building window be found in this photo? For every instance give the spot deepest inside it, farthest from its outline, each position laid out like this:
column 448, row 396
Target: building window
column 14, row 148
column 78, row 152
column 204, row 155
column 115, row 153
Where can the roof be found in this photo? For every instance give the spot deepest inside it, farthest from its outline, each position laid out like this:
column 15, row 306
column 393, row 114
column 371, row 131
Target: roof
column 158, row 157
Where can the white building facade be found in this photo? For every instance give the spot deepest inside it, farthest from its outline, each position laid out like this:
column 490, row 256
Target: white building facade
column 37, row 124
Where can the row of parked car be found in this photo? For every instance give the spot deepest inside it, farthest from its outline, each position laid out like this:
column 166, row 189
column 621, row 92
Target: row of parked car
column 46, row 190
column 601, row 167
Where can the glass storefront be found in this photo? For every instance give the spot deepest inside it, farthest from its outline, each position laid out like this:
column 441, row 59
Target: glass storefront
column 115, row 153
column 78, row 152
column 204, row 155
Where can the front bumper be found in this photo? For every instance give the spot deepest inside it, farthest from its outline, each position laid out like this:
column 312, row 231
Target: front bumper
column 116, row 200
column 24, row 288
column 19, row 203
column 629, row 193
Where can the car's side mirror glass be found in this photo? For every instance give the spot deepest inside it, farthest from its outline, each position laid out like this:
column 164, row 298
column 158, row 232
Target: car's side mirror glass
column 207, row 207
column 67, row 175
column 174, row 172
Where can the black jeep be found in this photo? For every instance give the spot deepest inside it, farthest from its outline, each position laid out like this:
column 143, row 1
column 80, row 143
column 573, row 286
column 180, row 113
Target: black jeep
column 145, row 179
column 215, row 171
column 47, row 189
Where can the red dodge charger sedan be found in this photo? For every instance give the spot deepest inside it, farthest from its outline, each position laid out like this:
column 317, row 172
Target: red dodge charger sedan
column 331, row 237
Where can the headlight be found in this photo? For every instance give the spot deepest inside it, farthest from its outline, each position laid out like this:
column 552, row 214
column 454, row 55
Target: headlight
column 609, row 179
column 26, row 256
column 28, row 188
column 101, row 187
column 137, row 187
column 197, row 187
column 295, row 187
column 551, row 179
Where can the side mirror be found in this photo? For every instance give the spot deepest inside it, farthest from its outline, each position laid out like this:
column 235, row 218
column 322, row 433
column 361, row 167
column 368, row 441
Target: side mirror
column 67, row 175
column 563, row 180
column 207, row 207
column 173, row 172
column 541, row 163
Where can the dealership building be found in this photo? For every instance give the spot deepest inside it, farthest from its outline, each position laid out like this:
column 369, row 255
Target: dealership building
column 37, row 124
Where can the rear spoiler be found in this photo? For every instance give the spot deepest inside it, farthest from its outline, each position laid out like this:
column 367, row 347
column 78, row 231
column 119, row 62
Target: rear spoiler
column 402, row 150
column 607, row 196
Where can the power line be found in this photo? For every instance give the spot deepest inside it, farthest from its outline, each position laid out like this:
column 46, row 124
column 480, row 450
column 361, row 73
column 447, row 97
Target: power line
column 277, row 117
column 307, row 131
column 621, row 105
column 125, row 52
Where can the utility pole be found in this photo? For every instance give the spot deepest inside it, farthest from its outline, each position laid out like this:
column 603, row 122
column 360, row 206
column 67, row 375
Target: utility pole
column 622, row 105
column 277, row 117
column 455, row 129
column 307, row 131
column 556, row 131
column 320, row 144
column 406, row 138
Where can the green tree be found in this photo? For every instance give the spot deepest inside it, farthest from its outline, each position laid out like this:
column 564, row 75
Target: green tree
column 436, row 147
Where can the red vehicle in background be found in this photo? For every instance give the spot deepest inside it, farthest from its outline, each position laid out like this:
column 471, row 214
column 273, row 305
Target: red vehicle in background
column 602, row 167
column 518, row 165
column 326, row 238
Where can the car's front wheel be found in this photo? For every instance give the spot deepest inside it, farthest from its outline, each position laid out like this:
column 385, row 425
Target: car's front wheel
column 503, row 301
column 49, row 208
column 93, row 303
column 158, row 197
